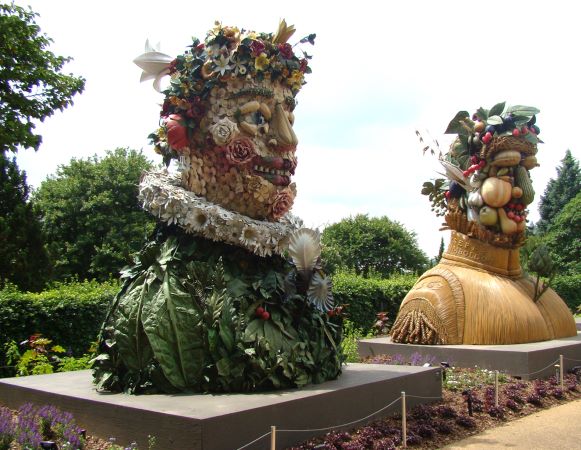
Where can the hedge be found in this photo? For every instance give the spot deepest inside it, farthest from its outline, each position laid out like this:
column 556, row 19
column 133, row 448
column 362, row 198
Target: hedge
column 365, row 297
column 69, row 313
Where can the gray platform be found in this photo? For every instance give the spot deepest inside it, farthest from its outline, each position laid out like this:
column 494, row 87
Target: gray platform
column 529, row 361
column 228, row 421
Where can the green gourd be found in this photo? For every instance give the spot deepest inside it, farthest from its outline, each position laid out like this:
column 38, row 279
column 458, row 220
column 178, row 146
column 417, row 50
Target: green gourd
column 522, row 180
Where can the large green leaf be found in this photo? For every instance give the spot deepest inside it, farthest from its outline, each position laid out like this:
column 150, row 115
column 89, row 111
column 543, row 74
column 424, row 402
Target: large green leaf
column 458, row 124
column 174, row 328
column 227, row 323
column 494, row 120
column 129, row 336
column 482, row 113
column 521, row 110
column 497, row 109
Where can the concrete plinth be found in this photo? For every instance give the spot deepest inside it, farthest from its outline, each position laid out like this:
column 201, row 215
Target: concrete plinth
column 529, row 361
column 227, row 421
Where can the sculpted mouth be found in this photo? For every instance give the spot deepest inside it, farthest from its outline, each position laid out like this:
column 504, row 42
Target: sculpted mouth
column 276, row 170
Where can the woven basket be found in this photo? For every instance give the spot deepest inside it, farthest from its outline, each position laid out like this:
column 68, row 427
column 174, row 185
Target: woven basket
column 501, row 143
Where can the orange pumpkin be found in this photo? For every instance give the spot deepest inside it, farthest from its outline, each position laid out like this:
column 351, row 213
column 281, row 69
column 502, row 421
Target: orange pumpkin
column 177, row 134
column 496, row 192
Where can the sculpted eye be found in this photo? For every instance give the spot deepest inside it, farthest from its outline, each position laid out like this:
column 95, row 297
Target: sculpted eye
column 259, row 118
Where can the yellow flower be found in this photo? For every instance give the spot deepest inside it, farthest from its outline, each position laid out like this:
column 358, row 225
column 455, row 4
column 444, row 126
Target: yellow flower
column 261, row 62
column 296, row 79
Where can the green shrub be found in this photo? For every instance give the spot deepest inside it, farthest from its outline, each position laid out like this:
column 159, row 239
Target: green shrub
column 569, row 288
column 68, row 313
column 351, row 335
column 368, row 296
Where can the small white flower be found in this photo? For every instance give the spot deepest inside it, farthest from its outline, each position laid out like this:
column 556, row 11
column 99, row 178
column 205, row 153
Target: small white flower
column 222, row 64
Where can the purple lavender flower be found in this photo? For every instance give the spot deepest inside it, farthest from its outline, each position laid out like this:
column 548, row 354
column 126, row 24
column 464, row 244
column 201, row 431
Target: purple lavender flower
column 416, row 359
column 7, row 429
column 398, row 360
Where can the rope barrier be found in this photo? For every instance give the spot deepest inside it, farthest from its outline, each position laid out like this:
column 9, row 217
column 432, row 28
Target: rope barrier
column 345, row 424
column 427, row 398
column 255, row 440
column 571, row 359
column 537, row 371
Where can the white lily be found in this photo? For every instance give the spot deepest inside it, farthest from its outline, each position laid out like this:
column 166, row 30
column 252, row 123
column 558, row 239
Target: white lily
column 155, row 65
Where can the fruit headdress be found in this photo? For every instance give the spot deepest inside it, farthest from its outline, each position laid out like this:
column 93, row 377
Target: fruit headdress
column 488, row 187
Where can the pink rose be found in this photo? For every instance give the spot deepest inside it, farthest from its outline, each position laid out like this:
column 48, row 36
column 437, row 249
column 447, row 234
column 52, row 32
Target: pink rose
column 240, row 151
column 283, row 201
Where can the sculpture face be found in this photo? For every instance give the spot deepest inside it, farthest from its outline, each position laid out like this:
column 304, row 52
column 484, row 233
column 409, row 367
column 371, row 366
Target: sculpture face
column 489, row 187
column 228, row 116
column 245, row 155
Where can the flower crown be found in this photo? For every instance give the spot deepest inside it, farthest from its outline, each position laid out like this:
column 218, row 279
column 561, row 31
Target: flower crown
column 226, row 54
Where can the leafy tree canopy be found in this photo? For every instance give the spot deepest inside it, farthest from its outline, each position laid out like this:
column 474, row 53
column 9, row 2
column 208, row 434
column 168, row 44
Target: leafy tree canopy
column 23, row 260
column 32, row 86
column 90, row 215
column 564, row 238
column 559, row 191
column 372, row 246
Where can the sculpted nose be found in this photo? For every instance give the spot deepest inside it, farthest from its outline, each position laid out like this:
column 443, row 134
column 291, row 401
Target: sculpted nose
column 281, row 129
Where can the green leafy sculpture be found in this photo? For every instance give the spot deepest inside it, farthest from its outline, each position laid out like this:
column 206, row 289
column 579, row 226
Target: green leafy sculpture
column 229, row 295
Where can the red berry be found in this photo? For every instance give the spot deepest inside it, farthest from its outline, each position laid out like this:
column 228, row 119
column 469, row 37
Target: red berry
column 481, row 164
column 265, row 315
column 466, row 173
column 524, row 130
column 331, row 312
column 516, row 132
column 447, row 195
column 510, row 215
column 487, row 137
column 474, row 159
column 260, row 311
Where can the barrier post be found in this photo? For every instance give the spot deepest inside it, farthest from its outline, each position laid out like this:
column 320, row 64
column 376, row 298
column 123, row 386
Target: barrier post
column 273, row 437
column 561, row 371
column 403, row 421
column 496, row 388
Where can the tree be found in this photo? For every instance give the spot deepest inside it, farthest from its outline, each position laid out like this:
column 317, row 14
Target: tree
column 32, row 86
column 23, row 260
column 91, row 218
column 372, row 246
column 564, row 238
column 559, row 191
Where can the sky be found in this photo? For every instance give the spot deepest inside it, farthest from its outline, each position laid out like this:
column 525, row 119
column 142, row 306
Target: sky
column 381, row 71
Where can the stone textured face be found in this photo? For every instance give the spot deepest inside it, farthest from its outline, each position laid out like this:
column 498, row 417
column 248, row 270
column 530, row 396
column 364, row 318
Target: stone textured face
column 243, row 153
